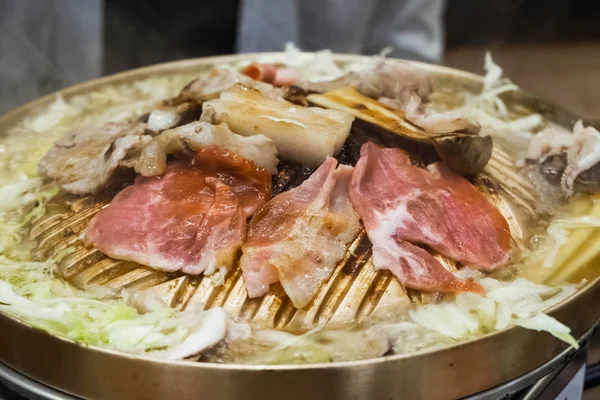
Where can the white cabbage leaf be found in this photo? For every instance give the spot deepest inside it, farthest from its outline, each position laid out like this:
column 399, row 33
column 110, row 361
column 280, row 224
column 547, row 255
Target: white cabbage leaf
column 516, row 303
column 98, row 317
column 490, row 111
column 558, row 233
column 18, row 194
column 317, row 66
column 18, row 211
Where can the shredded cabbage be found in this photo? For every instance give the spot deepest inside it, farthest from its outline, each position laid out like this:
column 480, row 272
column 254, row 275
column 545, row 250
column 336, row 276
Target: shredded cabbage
column 29, row 291
column 558, row 233
column 469, row 315
column 559, row 237
column 17, row 212
column 315, row 67
column 99, row 317
column 519, row 302
column 317, row 346
column 490, row 111
column 542, row 322
column 18, row 194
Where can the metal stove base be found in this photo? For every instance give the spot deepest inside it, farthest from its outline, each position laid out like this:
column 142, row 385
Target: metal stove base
column 20, row 386
column 542, row 381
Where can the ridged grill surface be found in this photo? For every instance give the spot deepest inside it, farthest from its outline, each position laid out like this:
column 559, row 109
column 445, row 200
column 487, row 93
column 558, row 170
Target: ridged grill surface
column 355, row 291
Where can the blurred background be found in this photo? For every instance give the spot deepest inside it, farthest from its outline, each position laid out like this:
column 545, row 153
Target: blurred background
column 549, row 47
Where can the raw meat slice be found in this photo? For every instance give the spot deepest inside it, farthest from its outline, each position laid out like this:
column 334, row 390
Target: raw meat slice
column 300, row 235
column 221, row 233
column 251, row 184
column 270, row 73
column 403, row 205
column 193, row 218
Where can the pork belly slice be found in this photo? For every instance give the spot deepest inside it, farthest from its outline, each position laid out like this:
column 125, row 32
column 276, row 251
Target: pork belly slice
column 403, row 206
column 83, row 160
column 151, row 159
column 186, row 106
column 193, row 218
column 299, row 236
column 307, row 135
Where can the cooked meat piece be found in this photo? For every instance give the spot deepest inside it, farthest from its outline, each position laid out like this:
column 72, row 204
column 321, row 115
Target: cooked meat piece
column 400, row 86
column 306, row 135
column 222, row 79
column 403, row 206
column 296, row 95
column 168, row 115
column 389, row 78
column 83, row 161
column 163, row 118
column 300, row 235
column 193, row 218
column 386, row 79
column 550, row 141
column 151, row 159
column 431, row 121
column 462, row 151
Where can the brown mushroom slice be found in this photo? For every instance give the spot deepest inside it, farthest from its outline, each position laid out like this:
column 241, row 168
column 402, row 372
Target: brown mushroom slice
column 463, row 152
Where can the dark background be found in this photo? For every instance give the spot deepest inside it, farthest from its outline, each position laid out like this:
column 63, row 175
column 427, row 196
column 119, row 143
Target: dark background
column 473, row 22
column 142, row 32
